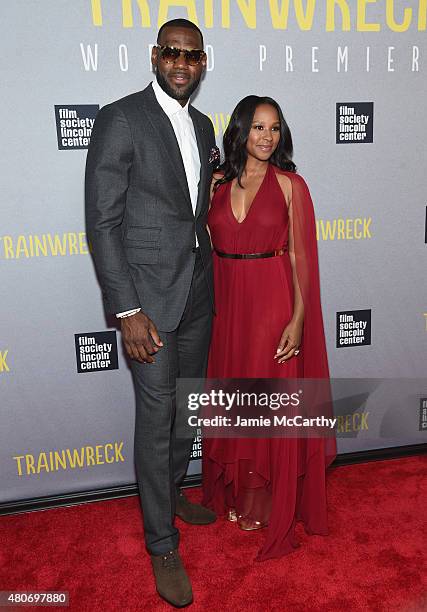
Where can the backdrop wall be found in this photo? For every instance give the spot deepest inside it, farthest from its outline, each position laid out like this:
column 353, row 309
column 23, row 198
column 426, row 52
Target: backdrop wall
column 351, row 79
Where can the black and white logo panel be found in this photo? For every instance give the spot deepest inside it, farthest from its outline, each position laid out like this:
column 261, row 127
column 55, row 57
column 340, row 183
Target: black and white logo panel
column 353, row 328
column 74, row 123
column 354, row 122
column 96, row 351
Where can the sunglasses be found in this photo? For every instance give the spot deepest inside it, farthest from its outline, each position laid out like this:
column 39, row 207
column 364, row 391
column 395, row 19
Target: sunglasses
column 171, row 54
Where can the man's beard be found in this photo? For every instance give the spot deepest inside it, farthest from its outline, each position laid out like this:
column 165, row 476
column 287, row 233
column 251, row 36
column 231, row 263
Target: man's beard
column 177, row 94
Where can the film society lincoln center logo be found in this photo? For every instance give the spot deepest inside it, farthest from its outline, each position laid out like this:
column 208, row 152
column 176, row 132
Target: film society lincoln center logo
column 353, row 328
column 74, row 123
column 96, row 351
column 354, row 122
column 423, row 414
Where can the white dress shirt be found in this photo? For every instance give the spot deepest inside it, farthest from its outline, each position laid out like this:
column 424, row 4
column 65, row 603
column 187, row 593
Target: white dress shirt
column 184, row 131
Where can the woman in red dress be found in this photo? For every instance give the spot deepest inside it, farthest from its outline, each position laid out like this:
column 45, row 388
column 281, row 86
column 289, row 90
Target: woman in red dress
column 268, row 324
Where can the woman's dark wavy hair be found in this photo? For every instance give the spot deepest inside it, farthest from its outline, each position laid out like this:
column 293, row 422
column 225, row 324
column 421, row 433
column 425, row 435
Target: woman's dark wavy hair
column 236, row 136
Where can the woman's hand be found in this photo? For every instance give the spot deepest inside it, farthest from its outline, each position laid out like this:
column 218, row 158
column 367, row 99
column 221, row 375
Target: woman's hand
column 290, row 340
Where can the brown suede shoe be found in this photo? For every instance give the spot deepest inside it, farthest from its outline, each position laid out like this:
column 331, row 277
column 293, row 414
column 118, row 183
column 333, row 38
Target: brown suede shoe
column 195, row 514
column 172, row 582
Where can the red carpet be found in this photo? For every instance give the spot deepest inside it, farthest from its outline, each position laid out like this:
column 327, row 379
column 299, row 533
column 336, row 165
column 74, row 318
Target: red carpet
column 373, row 560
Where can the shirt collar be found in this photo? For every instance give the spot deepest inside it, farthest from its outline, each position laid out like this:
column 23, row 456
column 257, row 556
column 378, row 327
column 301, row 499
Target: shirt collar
column 168, row 104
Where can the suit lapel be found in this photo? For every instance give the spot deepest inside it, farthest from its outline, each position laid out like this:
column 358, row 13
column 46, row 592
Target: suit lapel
column 161, row 123
column 203, row 154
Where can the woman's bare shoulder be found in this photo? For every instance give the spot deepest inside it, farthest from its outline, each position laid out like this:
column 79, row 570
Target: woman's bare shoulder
column 290, row 179
column 285, row 183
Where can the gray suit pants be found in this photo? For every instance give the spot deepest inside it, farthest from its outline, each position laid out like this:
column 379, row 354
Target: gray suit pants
column 161, row 459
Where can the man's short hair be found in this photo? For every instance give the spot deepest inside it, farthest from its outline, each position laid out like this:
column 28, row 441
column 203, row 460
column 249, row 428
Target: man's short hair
column 179, row 23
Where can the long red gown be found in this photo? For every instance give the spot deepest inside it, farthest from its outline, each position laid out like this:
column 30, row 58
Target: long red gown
column 279, row 480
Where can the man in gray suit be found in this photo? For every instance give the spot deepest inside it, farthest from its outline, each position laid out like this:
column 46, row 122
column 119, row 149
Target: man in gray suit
column 148, row 174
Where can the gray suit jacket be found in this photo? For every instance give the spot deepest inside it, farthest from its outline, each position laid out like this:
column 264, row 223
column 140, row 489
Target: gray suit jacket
column 139, row 218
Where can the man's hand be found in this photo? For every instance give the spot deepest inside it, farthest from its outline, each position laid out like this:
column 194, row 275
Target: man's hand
column 140, row 337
